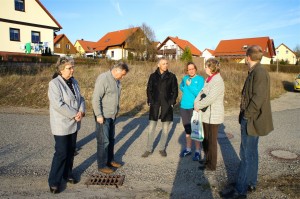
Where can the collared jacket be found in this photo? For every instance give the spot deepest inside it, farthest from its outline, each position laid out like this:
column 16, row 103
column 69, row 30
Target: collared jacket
column 64, row 106
column 106, row 96
column 257, row 99
column 162, row 92
column 213, row 100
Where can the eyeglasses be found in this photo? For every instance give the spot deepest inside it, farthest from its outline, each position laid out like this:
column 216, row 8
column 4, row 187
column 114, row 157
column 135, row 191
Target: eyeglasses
column 70, row 68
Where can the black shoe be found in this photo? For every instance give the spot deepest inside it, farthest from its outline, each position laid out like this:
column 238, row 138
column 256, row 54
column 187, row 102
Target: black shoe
column 233, row 195
column 72, row 181
column 251, row 189
column 202, row 167
column 54, row 189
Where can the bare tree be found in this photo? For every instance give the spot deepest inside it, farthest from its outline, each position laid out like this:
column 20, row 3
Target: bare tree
column 297, row 52
column 141, row 43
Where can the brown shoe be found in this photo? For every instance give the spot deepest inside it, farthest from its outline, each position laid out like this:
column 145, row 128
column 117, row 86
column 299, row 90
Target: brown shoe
column 106, row 170
column 163, row 153
column 146, row 154
column 114, row 164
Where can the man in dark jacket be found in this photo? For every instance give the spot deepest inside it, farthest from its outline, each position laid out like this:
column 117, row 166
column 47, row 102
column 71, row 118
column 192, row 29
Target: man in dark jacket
column 255, row 119
column 162, row 92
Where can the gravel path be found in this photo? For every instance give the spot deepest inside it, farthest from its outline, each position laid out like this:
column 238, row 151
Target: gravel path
column 26, row 149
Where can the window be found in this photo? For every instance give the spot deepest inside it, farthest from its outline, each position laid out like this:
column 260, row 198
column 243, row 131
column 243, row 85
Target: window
column 57, row 45
column 20, row 5
column 286, row 52
column 79, row 48
column 277, row 52
column 68, row 46
column 14, row 34
column 112, row 53
column 35, row 37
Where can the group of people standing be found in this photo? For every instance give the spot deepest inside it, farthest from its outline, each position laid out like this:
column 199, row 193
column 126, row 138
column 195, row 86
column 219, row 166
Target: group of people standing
column 67, row 108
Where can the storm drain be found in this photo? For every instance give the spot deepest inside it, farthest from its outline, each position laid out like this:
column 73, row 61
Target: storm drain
column 98, row 179
column 283, row 154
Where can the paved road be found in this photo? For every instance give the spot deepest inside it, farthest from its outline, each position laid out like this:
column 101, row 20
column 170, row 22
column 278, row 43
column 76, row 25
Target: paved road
column 26, row 149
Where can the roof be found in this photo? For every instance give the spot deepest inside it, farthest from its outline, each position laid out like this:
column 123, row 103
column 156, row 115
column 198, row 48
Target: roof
column 58, row 37
column 238, row 47
column 182, row 44
column 115, row 38
column 45, row 9
column 88, row 46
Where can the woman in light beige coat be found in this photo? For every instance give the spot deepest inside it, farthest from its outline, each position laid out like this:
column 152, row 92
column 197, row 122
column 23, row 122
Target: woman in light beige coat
column 210, row 102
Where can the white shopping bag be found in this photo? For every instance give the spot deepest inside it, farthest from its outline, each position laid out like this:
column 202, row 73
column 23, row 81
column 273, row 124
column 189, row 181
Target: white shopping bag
column 197, row 127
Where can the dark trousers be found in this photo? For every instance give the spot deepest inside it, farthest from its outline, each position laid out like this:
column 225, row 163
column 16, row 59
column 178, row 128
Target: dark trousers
column 210, row 144
column 105, row 134
column 63, row 159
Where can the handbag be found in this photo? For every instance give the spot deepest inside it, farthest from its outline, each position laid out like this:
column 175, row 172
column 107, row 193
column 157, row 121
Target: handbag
column 197, row 127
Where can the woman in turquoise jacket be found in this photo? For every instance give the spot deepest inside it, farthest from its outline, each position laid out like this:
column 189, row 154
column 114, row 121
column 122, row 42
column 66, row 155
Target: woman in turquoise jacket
column 190, row 86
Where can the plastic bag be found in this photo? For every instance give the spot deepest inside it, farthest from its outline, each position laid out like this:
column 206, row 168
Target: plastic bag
column 197, row 127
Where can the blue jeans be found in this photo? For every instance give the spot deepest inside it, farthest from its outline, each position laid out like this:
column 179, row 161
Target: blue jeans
column 248, row 168
column 105, row 134
column 63, row 159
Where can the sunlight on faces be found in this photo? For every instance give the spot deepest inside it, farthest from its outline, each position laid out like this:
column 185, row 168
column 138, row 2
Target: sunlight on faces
column 163, row 65
column 68, row 71
column 191, row 70
column 120, row 74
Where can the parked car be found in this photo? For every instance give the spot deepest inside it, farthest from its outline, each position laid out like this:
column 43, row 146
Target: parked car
column 297, row 83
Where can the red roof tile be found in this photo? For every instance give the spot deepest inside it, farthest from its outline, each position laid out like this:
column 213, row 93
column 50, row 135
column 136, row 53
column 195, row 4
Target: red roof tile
column 182, row 44
column 237, row 47
column 115, row 38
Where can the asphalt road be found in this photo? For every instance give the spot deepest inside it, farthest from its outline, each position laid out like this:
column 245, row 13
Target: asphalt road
column 26, row 151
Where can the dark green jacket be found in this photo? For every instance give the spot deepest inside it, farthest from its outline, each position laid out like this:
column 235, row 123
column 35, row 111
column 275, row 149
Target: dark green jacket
column 258, row 105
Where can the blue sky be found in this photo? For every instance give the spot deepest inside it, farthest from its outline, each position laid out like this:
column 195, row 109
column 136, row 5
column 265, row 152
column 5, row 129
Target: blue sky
column 203, row 23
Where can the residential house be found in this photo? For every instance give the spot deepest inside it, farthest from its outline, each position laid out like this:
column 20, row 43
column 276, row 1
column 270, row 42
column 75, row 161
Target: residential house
column 286, row 54
column 27, row 28
column 235, row 49
column 173, row 48
column 85, row 48
column 116, row 45
column 207, row 53
column 63, row 46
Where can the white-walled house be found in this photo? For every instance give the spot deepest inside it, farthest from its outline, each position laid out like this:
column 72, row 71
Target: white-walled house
column 24, row 23
column 207, row 53
column 286, row 54
column 173, row 48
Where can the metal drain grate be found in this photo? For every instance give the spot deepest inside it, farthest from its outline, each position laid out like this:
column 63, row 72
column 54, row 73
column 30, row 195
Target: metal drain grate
column 98, row 179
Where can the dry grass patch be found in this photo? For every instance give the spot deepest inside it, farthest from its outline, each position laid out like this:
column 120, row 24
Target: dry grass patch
column 31, row 90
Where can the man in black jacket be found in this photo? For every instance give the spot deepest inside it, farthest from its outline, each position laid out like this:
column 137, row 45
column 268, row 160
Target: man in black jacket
column 162, row 92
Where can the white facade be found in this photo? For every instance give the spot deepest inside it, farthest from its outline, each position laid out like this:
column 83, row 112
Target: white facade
column 116, row 53
column 285, row 54
column 169, row 45
column 33, row 18
column 206, row 54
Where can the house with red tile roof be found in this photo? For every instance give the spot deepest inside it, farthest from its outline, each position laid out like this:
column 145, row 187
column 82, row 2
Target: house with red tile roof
column 284, row 53
column 235, row 49
column 22, row 32
column 115, row 45
column 173, row 48
column 85, row 48
column 207, row 53
column 63, row 46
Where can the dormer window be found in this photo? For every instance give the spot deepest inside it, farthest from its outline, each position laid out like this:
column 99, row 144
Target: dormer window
column 245, row 47
column 20, row 5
